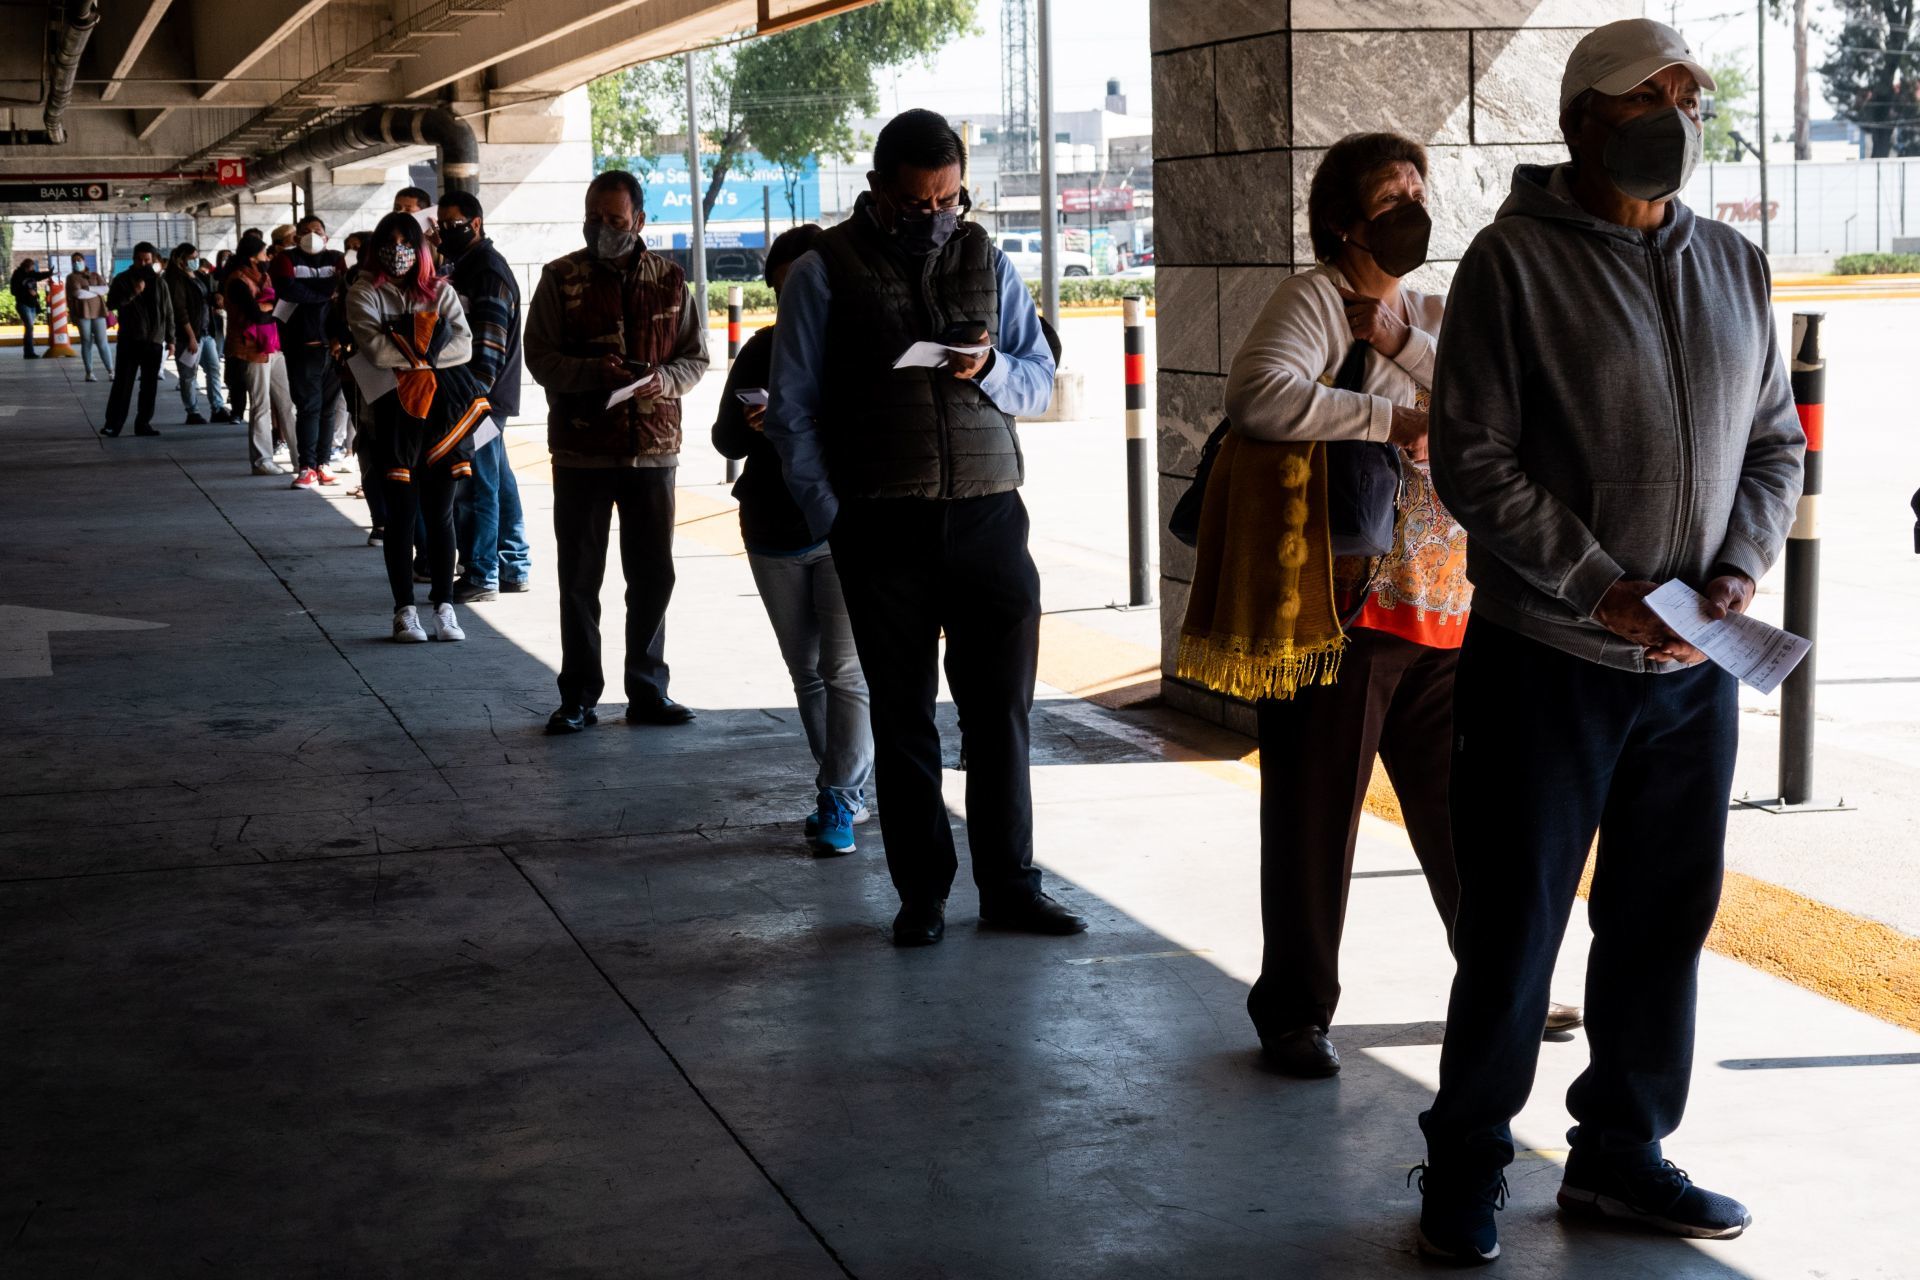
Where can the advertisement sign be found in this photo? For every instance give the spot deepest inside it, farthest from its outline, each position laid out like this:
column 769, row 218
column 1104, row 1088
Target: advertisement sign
column 740, row 198
column 1096, row 200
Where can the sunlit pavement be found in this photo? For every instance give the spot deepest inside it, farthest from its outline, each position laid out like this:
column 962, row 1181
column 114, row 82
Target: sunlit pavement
column 322, row 960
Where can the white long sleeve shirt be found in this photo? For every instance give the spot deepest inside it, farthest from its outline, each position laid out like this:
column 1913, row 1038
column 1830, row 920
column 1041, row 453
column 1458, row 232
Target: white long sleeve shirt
column 1274, row 390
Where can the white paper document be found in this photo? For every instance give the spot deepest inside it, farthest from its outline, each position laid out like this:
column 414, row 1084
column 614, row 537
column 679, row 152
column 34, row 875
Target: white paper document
column 372, row 380
column 751, row 395
column 932, row 355
column 486, row 433
column 629, row 391
column 283, row 310
column 99, row 292
column 1757, row 653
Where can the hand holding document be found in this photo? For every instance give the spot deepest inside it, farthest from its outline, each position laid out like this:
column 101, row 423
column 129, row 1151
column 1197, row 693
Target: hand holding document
column 933, row 355
column 639, row 387
column 1757, row 653
column 372, row 380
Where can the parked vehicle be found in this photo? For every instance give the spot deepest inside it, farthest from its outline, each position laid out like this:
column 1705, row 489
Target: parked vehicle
column 1023, row 251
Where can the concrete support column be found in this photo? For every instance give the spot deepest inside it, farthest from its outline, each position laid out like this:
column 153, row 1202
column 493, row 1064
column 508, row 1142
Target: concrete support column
column 1247, row 96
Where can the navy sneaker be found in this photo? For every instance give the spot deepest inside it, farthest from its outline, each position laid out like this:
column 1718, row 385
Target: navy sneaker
column 1660, row 1197
column 831, row 833
column 1456, row 1215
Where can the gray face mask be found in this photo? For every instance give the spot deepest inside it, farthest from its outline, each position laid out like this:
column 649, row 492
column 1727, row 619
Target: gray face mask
column 1652, row 157
column 606, row 244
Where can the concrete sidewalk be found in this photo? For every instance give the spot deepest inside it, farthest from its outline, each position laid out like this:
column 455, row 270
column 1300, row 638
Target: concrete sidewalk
column 323, row 961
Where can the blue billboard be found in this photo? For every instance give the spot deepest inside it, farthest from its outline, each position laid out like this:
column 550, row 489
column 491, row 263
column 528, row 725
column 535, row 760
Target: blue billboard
column 740, row 198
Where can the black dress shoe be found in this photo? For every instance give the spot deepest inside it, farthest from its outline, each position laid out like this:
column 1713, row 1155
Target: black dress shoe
column 571, row 718
column 145, row 431
column 1041, row 914
column 195, row 420
column 659, row 711
column 112, row 432
column 920, row 924
column 1304, row 1052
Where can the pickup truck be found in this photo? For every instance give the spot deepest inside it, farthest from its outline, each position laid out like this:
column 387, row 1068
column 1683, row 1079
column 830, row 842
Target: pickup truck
column 1023, row 251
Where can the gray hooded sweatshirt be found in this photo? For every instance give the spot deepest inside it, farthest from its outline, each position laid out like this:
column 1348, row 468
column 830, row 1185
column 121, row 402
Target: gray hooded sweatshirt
column 1609, row 404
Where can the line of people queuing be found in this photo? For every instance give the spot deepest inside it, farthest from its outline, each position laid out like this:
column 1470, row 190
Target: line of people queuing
column 1599, row 404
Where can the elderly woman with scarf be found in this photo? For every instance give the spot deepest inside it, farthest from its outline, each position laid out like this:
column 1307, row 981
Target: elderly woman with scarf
column 1347, row 658
column 413, row 345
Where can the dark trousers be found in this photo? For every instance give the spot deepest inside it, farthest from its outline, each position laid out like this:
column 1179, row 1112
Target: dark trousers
column 584, row 499
column 909, row 569
column 1549, row 749
column 137, row 360
column 306, row 383
column 236, row 377
column 1394, row 699
column 27, row 316
column 429, row 498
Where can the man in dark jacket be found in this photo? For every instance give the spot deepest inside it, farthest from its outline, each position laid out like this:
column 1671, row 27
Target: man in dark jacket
column 140, row 298
column 195, row 351
column 25, row 284
column 1610, row 413
column 493, row 532
column 913, row 474
column 615, row 339
column 303, row 279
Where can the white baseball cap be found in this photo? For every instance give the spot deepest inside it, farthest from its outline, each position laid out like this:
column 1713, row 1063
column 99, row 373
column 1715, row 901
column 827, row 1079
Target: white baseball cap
column 1614, row 58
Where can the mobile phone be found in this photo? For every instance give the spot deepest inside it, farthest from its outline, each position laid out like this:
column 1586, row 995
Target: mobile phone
column 964, row 333
column 751, row 395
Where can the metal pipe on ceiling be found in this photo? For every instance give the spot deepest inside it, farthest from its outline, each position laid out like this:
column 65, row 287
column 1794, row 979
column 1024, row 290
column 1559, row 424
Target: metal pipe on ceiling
column 82, row 17
column 376, row 127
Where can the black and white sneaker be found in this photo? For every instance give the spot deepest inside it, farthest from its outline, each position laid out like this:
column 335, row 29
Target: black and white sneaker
column 1456, row 1215
column 1660, row 1197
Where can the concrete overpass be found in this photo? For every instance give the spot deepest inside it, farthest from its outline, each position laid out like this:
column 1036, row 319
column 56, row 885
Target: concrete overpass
column 132, row 105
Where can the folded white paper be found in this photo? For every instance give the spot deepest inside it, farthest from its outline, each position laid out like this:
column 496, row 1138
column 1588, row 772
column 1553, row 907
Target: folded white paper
column 485, row 433
column 1757, row 653
column 372, row 380
column 283, row 310
column 629, row 391
column 932, row 355
column 99, row 292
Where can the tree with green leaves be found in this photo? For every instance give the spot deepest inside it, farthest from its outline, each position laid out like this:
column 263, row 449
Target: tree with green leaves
column 792, row 96
column 1873, row 72
column 1732, row 112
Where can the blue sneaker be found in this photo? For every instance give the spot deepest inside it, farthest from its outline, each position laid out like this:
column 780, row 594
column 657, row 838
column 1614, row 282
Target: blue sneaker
column 1456, row 1216
column 825, row 801
column 833, row 833
column 1660, row 1197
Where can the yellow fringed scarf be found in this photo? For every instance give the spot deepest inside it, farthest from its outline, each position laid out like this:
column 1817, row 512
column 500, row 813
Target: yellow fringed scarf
column 1261, row 620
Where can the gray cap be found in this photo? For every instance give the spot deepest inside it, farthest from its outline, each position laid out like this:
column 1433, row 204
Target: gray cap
column 1614, row 58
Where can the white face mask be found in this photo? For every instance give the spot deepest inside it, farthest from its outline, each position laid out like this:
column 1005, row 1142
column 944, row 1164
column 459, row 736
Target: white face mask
column 313, row 242
column 157, row 268
column 353, row 257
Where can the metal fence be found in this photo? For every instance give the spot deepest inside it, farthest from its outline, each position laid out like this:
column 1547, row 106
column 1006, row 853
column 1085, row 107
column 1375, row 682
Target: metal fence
column 1837, row 207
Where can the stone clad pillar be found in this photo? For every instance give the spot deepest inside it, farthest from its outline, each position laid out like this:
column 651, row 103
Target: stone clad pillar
column 1247, row 95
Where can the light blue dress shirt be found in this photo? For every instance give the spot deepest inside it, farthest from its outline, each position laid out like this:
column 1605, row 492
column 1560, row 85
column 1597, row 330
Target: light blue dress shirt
column 1019, row 379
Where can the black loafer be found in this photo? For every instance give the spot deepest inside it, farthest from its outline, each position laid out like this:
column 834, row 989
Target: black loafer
column 467, row 591
column 1304, row 1052
column 145, row 431
column 920, row 924
column 511, row 585
column 110, row 432
column 571, row 718
column 1039, row 915
column 659, row 711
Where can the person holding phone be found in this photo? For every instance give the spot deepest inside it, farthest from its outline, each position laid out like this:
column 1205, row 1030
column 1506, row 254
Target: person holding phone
column 614, row 317
column 799, row 586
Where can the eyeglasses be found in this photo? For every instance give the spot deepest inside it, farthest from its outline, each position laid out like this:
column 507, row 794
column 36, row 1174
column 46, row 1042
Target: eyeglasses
column 927, row 208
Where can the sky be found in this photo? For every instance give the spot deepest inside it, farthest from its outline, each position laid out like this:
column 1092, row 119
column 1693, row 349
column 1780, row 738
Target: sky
column 1096, row 39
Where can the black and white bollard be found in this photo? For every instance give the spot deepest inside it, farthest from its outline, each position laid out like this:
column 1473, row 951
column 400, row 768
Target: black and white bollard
column 1140, row 471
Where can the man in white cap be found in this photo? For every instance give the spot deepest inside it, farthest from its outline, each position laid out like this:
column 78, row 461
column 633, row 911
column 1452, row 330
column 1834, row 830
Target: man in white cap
column 1610, row 412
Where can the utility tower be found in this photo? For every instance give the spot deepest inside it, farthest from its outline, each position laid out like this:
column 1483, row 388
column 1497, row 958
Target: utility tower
column 1019, row 131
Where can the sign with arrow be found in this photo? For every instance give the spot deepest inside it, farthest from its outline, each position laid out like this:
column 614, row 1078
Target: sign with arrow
column 26, row 646
column 54, row 192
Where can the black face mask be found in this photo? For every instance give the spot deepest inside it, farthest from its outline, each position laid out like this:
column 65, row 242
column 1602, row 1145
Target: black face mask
column 457, row 239
column 1651, row 157
column 923, row 233
column 1399, row 239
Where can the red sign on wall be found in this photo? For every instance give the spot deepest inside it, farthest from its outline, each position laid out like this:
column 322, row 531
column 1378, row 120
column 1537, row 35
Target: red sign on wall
column 1097, row 200
column 232, row 173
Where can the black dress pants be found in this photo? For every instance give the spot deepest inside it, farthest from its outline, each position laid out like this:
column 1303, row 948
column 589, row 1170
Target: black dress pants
column 584, row 500
column 306, row 383
column 137, row 360
column 1551, row 748
column 1394, row 699
column 911, row 568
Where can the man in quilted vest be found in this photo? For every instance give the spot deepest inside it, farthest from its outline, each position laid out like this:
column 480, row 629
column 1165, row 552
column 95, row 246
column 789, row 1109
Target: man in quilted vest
column 614, row 338
column 912, row 474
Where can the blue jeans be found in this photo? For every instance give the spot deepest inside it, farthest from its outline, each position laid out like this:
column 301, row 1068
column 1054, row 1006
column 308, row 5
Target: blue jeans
column 93, row 334
column 1549, row 748
column 209, row 364
column 493, row 529
column 27, row 316
column 809, row 616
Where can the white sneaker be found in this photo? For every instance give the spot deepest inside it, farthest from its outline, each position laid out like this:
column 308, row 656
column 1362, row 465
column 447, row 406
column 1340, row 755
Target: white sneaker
column 406, row 626
column 267, row 469
column 342, row 464
column 90, row 377
column 444, row 626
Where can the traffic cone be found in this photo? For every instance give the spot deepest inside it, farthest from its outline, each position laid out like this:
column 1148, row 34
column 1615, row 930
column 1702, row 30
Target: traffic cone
column 57, row 322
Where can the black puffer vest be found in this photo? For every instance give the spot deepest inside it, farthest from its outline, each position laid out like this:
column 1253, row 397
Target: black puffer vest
column 909, row 433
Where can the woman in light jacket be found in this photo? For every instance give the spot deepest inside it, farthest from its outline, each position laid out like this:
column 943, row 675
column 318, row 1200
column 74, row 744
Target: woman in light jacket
column 408, row 324
column 1406, row 612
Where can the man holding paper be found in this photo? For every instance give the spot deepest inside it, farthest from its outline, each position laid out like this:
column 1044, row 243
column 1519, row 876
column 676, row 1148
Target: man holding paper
column 139, row 297
column 1610, row 412
column 912, row 473
column 615, row 338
